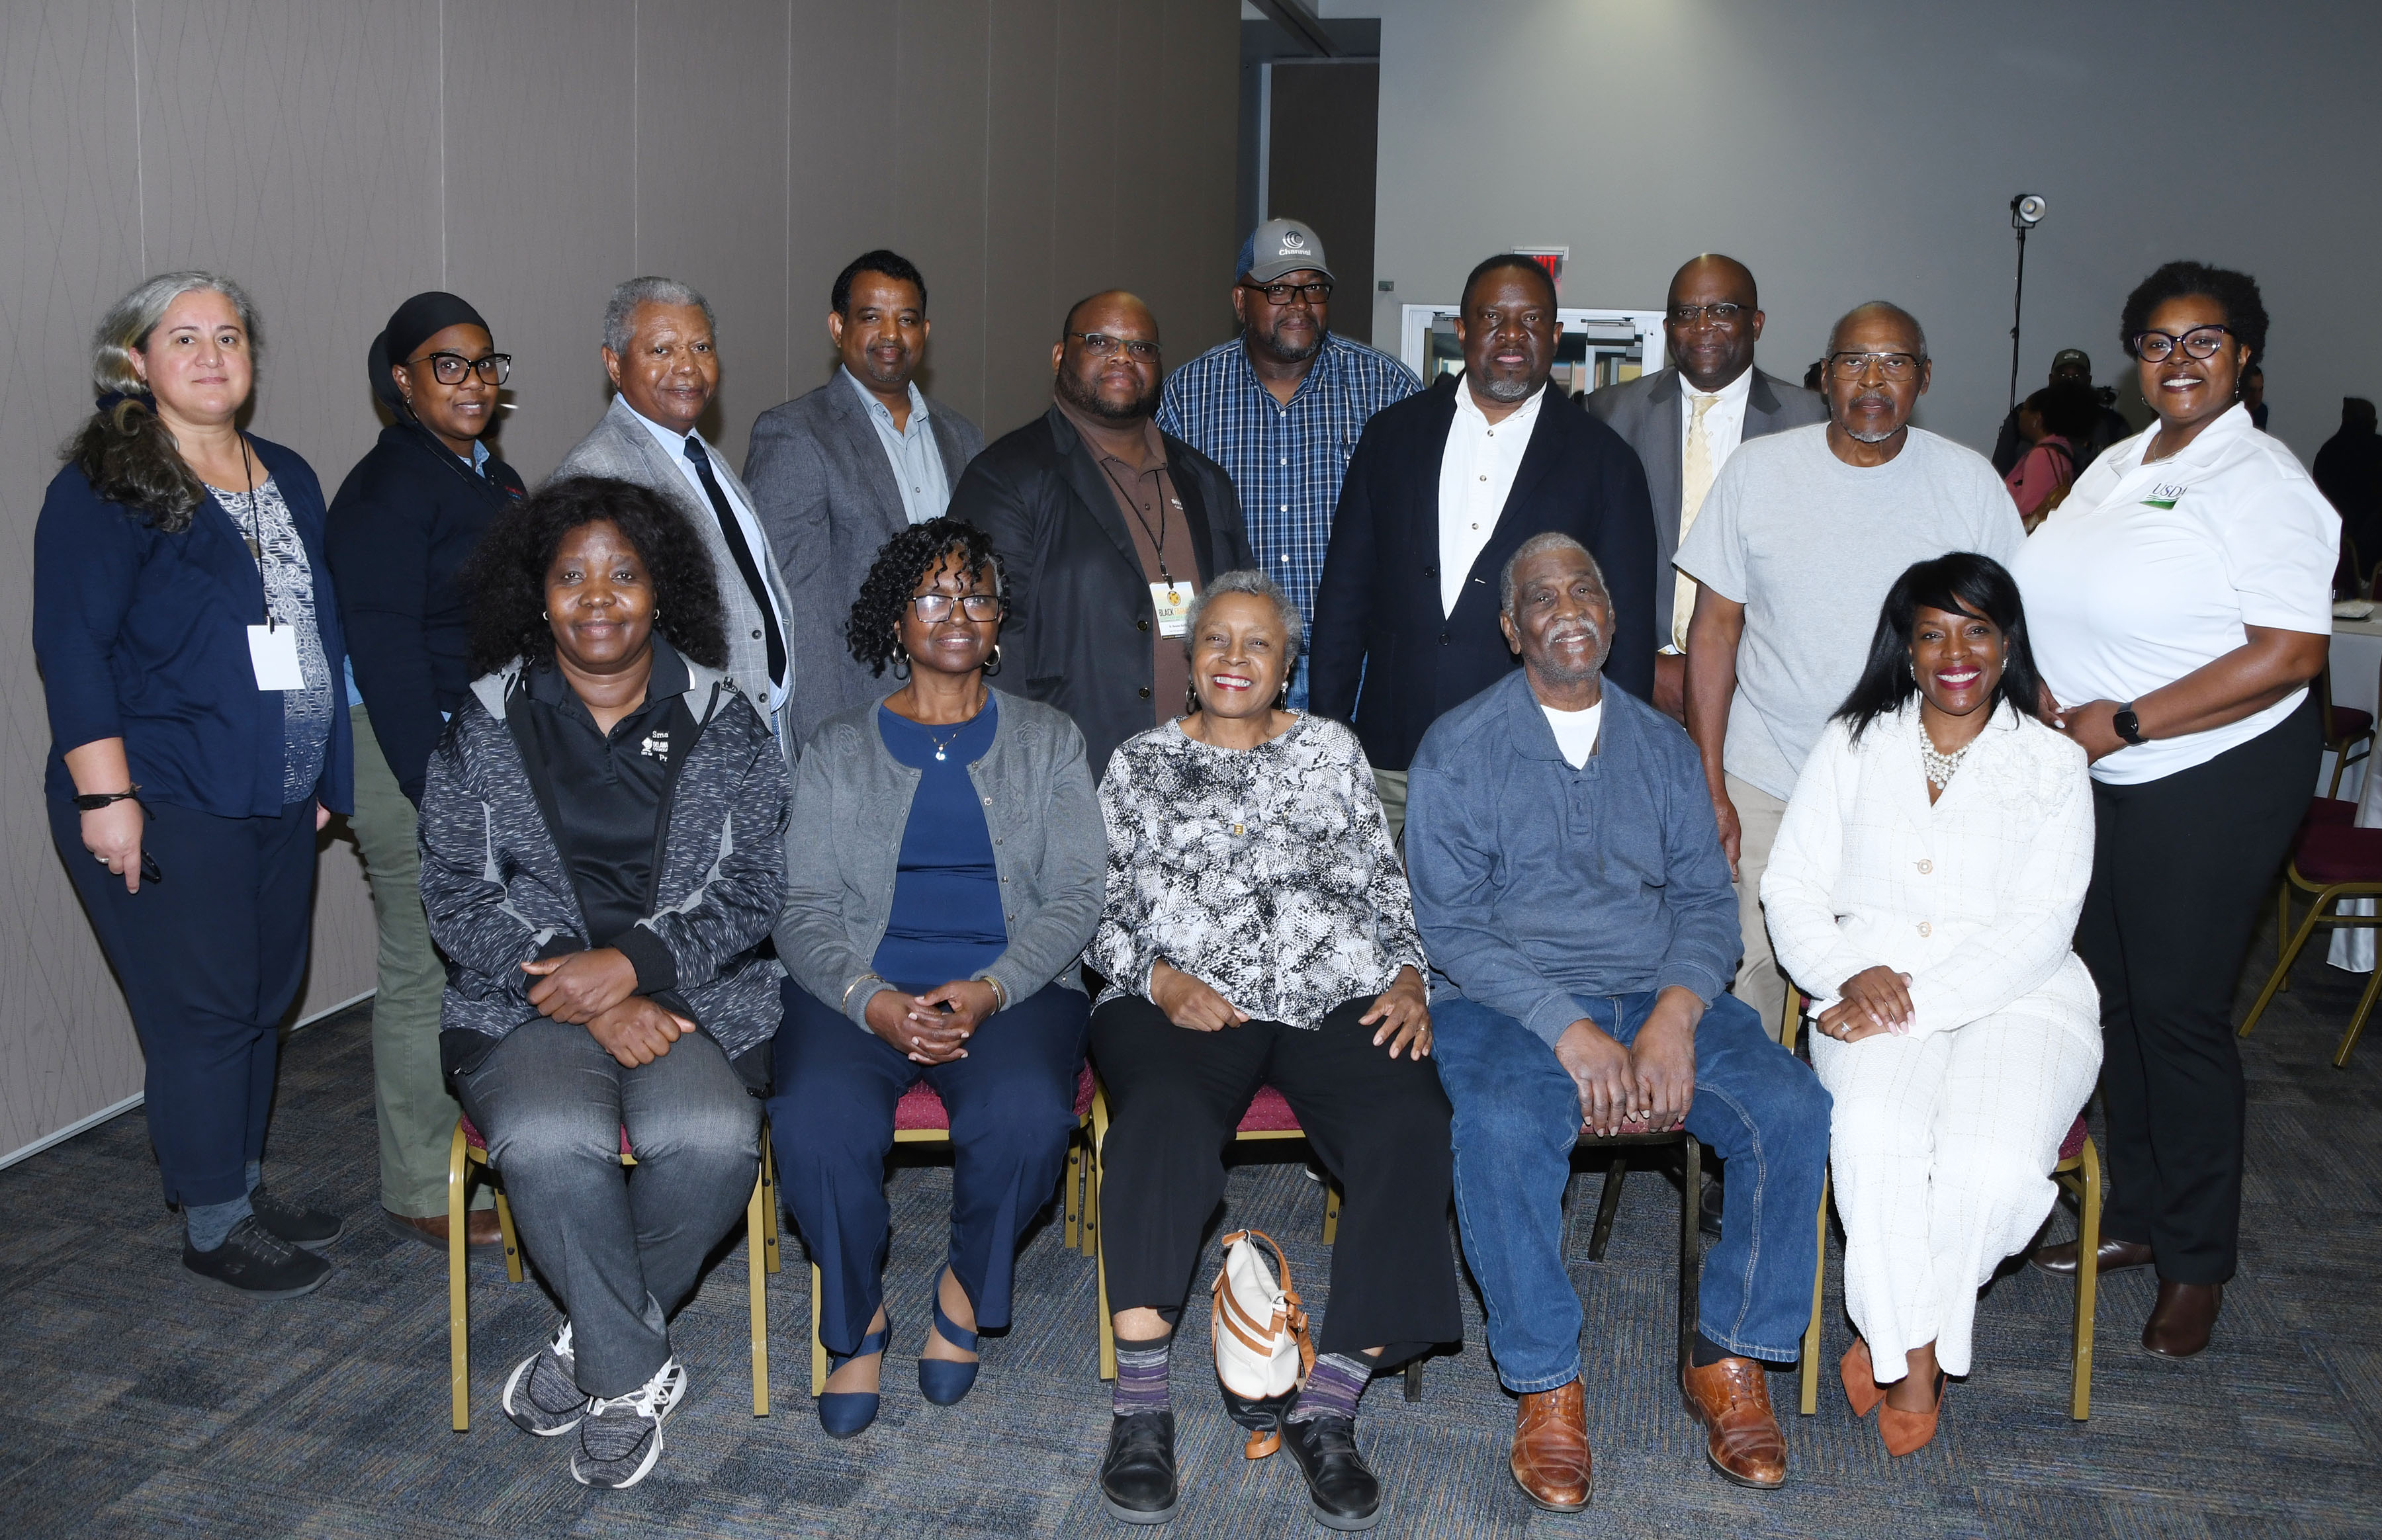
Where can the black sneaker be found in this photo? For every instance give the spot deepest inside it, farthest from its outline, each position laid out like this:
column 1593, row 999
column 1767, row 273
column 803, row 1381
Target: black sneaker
column 300, row 1227
column 1137, row 1476
column 621, row 1436
column 542, row 1397
column 258, row 1263
column 1340, row 1487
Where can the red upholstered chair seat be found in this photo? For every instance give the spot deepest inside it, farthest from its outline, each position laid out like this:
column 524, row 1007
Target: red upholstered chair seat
column 2328, row 811
column 2073, row 1145
column 2329, row 854
column 2349, row 722
column 471, row 1137
column 920, row 1108
column 1267, row 1113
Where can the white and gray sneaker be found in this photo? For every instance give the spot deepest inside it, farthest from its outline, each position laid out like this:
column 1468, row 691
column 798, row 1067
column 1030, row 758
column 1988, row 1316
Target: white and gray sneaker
column 621, row 1436
column 542, row 1397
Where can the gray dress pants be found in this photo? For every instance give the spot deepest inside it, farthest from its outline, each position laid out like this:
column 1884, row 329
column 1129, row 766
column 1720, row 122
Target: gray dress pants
column 622, row 1246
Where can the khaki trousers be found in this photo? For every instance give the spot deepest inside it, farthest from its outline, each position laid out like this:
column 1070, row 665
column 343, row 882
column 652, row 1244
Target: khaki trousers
column 1759, row 983
column 1391, row 785
column 410, row 1097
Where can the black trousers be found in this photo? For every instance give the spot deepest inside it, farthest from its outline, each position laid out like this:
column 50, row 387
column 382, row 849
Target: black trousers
column 209, row 959
column 2180, row 868
column 1379, row 1125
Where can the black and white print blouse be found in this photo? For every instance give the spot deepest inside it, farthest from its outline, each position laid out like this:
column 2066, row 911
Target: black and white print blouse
column 1267, row 874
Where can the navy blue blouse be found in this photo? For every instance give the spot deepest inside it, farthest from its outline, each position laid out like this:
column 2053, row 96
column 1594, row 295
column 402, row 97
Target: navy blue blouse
column 947, row 919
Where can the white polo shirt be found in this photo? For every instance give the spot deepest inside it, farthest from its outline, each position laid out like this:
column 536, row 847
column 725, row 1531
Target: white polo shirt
column 2147, row 572
column 1475, row 476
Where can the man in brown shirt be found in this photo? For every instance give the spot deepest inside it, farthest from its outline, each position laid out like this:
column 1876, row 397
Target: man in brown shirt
column 1107, row 529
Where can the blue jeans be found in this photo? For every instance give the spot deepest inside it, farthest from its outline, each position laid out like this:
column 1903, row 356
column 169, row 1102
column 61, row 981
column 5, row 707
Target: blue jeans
column 1518, row 1116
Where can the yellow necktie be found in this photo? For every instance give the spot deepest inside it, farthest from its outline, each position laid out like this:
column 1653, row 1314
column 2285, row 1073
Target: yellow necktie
column 1695, row 481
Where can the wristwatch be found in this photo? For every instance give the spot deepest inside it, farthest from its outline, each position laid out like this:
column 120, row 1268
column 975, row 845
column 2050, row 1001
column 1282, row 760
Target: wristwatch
column 2128, row 724
column 92, row 801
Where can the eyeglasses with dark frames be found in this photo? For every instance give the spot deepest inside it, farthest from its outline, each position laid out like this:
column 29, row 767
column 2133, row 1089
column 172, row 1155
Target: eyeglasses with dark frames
column 935, row 607
column 448, row 368
column 1894, row 366
column 2201, row 342
column 1100, row 344
column 1722, row 314
column 1282, row 294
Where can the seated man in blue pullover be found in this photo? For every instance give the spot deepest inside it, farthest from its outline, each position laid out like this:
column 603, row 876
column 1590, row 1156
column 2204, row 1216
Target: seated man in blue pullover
column 1577, row 908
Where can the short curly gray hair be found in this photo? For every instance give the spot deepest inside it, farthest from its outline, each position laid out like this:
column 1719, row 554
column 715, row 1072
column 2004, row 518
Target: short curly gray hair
column 621, row 311
column 1252, row 582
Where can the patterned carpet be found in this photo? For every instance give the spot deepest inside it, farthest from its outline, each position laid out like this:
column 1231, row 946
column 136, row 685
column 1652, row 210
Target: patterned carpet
column 148, row 1401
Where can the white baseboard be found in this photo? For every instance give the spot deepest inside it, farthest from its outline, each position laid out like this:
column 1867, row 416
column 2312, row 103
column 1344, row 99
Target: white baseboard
column 82, row 1125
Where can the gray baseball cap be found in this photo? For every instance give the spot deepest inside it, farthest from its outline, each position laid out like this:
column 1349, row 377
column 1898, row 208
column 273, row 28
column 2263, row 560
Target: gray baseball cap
column 1280, row 246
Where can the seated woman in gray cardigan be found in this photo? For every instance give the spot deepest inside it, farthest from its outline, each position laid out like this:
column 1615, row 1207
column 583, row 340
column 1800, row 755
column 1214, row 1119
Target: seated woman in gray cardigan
column 943, row 874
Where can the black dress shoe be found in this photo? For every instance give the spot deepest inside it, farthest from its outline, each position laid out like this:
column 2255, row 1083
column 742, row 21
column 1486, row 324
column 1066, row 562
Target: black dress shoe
column 1339, row 1487
column 295, row 1223
column 2059, row 1260
column 2180, row 1321
column 1137, row 1476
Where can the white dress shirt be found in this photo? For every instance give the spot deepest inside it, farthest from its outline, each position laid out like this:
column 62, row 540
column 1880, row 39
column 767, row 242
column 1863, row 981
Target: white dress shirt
column 673, row 443
column 910, row 450
column 1476, row 475
column 1723, row 419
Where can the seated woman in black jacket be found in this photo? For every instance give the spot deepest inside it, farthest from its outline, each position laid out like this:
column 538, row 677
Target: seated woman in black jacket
column 601, row 830
column 401, row 527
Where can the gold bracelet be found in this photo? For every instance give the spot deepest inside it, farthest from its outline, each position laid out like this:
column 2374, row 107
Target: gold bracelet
column 856, row 983
column 1000, row 991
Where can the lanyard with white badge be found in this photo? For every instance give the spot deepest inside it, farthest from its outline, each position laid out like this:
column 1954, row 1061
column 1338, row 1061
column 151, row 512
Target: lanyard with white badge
column 1166, row 596
column 272, row 647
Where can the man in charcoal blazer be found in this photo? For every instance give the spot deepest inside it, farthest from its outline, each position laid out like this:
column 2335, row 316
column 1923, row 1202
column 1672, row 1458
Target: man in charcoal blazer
column 1443, row 488
column 838, row 473
column 1711, row 323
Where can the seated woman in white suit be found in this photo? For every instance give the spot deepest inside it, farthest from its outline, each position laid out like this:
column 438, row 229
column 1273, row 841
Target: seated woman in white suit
column 1925, row 890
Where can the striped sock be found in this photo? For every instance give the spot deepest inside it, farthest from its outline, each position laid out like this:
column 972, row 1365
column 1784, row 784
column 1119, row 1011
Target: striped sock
column 1332, row 1389
column 1141, row 1375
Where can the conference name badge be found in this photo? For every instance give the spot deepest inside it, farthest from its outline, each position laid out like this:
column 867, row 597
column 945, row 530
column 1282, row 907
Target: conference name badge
column 1173, row 603
column 2165, row 495
column 272, row 652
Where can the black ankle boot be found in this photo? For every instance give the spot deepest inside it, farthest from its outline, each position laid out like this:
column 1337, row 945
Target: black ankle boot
column 1339, row 1486
column 1137, row 1476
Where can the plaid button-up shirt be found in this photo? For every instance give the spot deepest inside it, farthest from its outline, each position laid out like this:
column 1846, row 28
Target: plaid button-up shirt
column 1287, row 462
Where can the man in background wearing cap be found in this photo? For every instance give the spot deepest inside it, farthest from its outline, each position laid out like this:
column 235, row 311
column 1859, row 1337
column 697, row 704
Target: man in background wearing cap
column 1280, row 408
column 2068, row 364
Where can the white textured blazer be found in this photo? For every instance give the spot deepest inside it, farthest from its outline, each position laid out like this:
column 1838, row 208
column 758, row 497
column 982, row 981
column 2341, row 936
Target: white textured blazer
column 1975, row 898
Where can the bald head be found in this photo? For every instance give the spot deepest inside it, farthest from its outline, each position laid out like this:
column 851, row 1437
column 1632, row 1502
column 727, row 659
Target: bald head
column 1714, row 271
column 1712, row 320
column 1106, row 363
column 1872, row 316
column 1107, row 306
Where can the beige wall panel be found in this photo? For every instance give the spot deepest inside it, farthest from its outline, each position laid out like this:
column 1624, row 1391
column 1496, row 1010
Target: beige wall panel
column 1186, row 244
column 68, row 176
column 844, row 62
column 1022, row 296
column 711, row 185
column 540, row 221
column 1095, row 113
column 936, row 158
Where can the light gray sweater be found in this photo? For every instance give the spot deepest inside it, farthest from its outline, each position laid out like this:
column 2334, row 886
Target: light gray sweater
column 843, row 843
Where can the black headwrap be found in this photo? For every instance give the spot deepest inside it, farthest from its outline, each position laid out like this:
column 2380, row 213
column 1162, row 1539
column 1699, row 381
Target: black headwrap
column 416, row 322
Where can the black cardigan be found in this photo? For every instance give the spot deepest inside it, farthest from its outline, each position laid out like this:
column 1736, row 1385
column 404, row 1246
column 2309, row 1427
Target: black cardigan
column 1378, row 615
column 404, row 521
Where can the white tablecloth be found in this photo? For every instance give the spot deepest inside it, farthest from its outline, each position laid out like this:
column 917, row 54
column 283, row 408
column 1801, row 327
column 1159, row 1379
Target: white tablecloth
column 2356, row 681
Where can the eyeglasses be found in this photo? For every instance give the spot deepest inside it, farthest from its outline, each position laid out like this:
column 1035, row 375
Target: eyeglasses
column 933, row 607
column 2201, row 342
column 1282, row 294
column 1894, row 366
column 449, row 368
column 1722, row 314
column 1100, row 344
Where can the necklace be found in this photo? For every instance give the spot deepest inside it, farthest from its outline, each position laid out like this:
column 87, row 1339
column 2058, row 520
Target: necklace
column 1939, row 766
column 943, row 742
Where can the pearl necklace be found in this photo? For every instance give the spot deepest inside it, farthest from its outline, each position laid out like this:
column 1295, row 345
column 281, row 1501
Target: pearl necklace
column 1939, row 766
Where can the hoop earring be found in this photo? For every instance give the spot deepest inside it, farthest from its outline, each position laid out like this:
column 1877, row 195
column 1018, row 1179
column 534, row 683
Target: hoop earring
column 1190, row 700
column 991, row 666
column 543, row 616
column 902, row 666
column 1281, row 700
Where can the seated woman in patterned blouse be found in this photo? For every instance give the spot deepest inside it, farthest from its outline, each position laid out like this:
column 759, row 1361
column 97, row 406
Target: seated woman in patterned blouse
column 1259, row 932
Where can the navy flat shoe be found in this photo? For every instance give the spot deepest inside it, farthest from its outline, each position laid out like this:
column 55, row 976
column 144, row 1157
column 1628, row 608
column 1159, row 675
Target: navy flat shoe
column 844, row 1413
column 940, row 1380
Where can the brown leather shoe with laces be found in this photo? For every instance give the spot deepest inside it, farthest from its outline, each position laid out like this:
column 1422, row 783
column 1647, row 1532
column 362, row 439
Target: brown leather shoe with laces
column 1732, row 1400
column 1551, row 1459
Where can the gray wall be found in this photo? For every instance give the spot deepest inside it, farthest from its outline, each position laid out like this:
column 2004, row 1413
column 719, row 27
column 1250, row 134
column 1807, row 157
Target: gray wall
column 1850, row 151
column 337, row 155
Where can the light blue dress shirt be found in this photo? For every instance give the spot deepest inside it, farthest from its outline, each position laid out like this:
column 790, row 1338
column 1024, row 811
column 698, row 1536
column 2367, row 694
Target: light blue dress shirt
column 917, row 463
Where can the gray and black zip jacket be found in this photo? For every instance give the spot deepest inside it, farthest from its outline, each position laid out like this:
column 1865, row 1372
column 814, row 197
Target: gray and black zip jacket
column 498, row 893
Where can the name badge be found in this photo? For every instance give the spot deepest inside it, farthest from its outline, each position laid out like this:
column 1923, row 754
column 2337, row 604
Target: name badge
column 2165, row 495
column 272, row 650
column 1173, row 603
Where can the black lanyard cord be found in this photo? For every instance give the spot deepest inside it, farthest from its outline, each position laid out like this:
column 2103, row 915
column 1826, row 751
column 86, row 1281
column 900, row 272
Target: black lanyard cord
column 1157, row 541
column 257, row 533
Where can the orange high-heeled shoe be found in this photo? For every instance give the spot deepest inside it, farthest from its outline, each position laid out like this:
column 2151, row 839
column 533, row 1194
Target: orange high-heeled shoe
column 1907, row 1431
column 1861, row 1389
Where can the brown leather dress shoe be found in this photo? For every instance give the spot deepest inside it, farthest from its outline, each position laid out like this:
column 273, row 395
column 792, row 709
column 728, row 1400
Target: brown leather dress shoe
column 481, row 1231
column 1732, row 1400
column 2059, row 1260
column 1551, row 1459
column 2180, row 1321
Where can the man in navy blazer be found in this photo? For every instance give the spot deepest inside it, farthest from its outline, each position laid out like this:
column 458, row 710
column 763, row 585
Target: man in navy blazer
column 1443, row 488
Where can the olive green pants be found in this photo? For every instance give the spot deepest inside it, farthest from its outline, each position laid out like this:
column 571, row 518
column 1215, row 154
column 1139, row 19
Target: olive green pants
column 410, row 1097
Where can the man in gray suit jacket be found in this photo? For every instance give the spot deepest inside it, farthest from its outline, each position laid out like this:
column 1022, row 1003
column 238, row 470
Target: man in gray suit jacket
column 838, row 473
column 660, row 350
column 1687, row 419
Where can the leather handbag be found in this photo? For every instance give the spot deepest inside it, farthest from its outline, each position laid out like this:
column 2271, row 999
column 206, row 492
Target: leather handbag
column 1262, row 1350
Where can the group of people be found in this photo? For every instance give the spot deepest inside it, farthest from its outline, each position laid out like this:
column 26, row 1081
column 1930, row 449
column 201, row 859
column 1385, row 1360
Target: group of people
column 692, row 810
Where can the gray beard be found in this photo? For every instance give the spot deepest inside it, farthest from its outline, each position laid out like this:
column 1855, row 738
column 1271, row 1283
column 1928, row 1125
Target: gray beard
column 1273, row 348
column 1565, row 676
column 1872, row 438
column 1507, row 391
